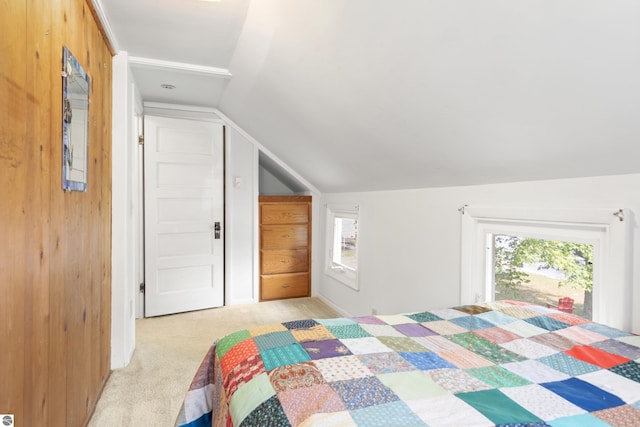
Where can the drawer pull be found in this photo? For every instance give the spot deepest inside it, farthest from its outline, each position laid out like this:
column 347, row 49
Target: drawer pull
column 285, row 286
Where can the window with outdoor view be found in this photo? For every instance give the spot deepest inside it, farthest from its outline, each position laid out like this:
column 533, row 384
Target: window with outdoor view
column 505, row 251
column 342, row 242
column 554, row 273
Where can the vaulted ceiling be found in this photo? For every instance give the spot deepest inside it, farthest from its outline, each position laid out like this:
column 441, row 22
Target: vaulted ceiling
column 358, row 95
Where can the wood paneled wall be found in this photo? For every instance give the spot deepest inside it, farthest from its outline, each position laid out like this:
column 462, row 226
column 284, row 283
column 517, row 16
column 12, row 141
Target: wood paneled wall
column 55, row 262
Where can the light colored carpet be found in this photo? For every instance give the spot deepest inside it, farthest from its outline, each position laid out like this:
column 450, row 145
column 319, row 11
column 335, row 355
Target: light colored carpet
column 169, row 349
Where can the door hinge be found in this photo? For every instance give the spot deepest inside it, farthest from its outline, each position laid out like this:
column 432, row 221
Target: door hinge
column 142, row 287
column 141, row 139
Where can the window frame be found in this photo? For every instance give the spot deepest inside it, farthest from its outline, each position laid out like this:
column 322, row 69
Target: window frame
column 340, row 272
column 608, row 230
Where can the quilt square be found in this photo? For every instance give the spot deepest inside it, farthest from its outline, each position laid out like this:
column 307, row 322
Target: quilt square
column 405, row 344
column 596, row 356
column 583, row 394
column 519, row 312
column 535, row 371
column 498, row 407
column 631, row 339
column 386, row 415
column 571, row 319
column 325, row 349
column 280, row 356
column 240, row 352
column 605, row 330
column 249, row 397
column 620, row 416
column 414, row 330
column 301, row 403
column 242, row 373
column 547, row 323
column 412, row 385
column 583, row 420
column 472, row 309
column 464, row 359
column 368, row 320
column 437, row 343
column 626, row 389
column 581, row 335
column 295, row 376
column 554, row 341
column 268, row 414
column 629, row 370
column 381, row 330
column 316, row 333
column 529, row 349
column 300, row 324
column 448, row 313
column 426, row 361
column 395, row 319
column 524, row 329
column 447, row 411
column 485, row 348
column 342, row 368
column 341, row 418
column 224, row 344
column 363, row 392
column 497, row 318
column 274, row 339
column 542, row 402
column 444, row 327
column 382, row 363
column 348, row 331
column 424, row 316
column 498, row 377
column 265, row 329
column 620, row 348
column 365, row 345
column 340, row 321
column 456, row 380
column 567, row 364
column 496, row 335
column 471, row 323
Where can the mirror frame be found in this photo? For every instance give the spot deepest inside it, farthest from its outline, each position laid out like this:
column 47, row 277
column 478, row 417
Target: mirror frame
column 75, row 123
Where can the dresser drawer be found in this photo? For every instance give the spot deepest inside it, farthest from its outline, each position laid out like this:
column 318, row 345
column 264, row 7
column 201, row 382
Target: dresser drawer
column 284, row 261
column 284, row 286
column 284, row 236
column 284, row 214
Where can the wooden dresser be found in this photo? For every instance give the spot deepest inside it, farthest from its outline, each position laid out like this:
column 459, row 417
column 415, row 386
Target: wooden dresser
column 285, row 247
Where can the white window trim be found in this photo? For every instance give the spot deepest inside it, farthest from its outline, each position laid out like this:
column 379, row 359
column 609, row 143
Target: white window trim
column 342, row 274
column 608, row 230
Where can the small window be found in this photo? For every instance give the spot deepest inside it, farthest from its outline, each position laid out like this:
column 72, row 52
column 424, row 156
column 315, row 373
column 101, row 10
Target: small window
column 342, row 244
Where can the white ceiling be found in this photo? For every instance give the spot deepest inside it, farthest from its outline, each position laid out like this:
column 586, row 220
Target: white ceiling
column 360, row 95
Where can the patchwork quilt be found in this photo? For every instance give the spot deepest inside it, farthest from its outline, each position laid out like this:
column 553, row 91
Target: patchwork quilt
column 505, row 363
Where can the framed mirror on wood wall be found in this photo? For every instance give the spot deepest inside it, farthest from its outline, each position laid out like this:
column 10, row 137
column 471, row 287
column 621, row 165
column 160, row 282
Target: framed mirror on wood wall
column 76, row 85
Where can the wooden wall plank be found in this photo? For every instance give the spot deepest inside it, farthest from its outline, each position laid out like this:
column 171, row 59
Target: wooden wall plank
column 13, row 170
column 55, row 262
column 58, row 274
column 38, row 182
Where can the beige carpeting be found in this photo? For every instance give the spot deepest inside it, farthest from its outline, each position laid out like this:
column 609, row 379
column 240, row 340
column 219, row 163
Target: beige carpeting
column 169, row 349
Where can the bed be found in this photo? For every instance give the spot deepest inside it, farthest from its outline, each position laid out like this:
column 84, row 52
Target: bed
column 504, row 363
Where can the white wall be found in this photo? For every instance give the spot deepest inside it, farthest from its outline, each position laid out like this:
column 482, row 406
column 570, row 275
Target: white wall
column 270, row 185
column 125, row 270
column 409, row 240
column 240, row 218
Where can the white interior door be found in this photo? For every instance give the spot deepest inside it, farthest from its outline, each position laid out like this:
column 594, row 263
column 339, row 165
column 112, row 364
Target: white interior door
column 184, row 205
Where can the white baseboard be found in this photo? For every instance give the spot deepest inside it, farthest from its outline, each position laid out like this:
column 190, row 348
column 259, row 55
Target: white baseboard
column 333, row 306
